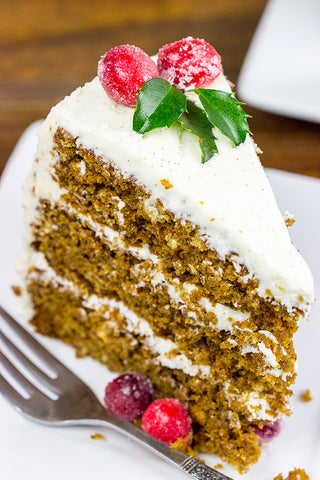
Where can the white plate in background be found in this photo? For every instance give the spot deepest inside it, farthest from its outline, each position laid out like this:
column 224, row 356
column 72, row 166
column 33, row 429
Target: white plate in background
column 281, row 71
column 30, row 451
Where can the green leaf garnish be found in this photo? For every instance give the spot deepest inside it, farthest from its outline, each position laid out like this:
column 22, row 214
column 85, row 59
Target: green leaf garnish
column 159, row 104
column 196, row 122
column 224, row 112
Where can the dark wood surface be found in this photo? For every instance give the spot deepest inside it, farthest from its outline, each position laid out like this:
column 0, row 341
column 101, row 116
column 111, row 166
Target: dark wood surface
column 47, row 48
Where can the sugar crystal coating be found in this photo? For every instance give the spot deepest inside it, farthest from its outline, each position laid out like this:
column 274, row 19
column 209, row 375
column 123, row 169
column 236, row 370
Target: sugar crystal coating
column 129, row 395
column 168, row 420
column 123, row 70
column 189, row 63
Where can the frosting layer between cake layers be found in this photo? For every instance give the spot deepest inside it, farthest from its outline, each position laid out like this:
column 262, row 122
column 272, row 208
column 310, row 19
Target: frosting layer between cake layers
column 229, row 197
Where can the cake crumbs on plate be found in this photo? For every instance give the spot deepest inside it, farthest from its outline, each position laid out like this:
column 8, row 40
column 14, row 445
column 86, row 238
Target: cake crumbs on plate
column 17, row 290
column 97, row 436
column 289, row 219
column 296, row 474
column 166, row 183
column 306, row 396
column 183, row 444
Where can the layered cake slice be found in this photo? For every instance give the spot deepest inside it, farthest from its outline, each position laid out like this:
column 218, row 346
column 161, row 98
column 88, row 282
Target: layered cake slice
column 155, row 243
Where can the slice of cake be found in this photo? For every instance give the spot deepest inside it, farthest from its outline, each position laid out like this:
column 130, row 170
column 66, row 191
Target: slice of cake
column 164, row 252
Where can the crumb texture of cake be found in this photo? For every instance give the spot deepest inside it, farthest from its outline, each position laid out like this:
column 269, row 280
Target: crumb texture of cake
column 306, row 396
column 147, row 260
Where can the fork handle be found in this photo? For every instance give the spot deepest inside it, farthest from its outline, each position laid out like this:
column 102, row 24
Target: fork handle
column 200, row 471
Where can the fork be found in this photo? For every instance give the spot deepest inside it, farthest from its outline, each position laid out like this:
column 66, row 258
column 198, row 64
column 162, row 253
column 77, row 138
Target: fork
column 65, row 400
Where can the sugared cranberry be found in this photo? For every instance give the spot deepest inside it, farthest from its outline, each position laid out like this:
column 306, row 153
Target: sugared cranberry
column 167, row 419
column 123, row 70
column 190, row 62
column 129, row 395
column 269, row 430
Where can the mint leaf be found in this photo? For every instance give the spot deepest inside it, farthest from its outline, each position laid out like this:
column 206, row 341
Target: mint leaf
column 195, row 121
column 159, row 104
column 224, row 112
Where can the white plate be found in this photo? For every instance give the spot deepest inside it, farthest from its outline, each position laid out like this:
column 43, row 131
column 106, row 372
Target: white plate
column 281, row 72
column 33, row 452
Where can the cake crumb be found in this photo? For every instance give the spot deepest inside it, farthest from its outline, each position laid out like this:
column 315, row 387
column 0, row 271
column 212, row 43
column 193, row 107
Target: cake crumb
column 306, row 396
column 17, row 290
column 97, row 436
column 166, row 183
column 296, row 474
column 289, row 219
column 219, row 465
column 183, row 444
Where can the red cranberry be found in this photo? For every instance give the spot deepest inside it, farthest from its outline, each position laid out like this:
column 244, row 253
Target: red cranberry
column 129, row 395
column 123, row 70
column 269, row 430
column 167, row 419
column 190, row 62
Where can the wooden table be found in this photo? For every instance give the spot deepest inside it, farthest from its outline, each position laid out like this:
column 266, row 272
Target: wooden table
column 47, row 48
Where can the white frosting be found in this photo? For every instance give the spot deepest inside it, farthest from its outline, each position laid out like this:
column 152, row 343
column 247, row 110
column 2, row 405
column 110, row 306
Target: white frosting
column 248, row 348
column 268, row 354
column 268, row 334
column 258, row 407
column 225, row 316
column 165, row 349
column 231, row 188
column 82, row 167
column 112, row 236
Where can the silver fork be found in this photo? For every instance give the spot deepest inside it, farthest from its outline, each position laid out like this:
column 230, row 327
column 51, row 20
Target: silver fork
column 75, row 403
